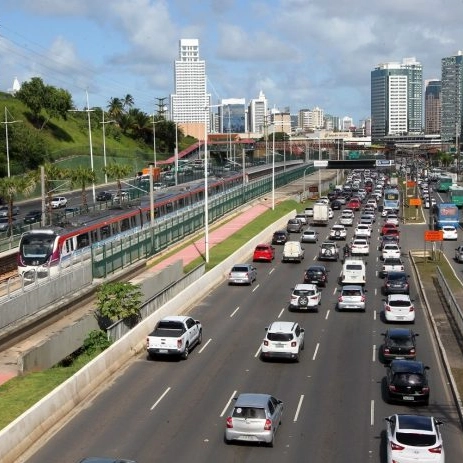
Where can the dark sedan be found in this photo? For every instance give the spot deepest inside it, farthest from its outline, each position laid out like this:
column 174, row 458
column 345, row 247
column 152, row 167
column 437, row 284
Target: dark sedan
column 317, row 275
column 406, row 381
column 104, row 196
column 399, row 343
column 396, row 283
column 280, row 237
column 33, row 217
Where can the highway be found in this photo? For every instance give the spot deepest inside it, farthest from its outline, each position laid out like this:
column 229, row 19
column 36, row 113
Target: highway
column 172, row 410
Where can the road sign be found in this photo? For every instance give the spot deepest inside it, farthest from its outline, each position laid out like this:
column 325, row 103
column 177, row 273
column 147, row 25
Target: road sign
column 320, row 163
column 384, row 162
column 411, row 183
column 414, row 201
column 434, row 235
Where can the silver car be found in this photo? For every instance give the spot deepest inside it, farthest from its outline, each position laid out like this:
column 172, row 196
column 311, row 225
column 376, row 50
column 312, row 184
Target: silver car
column 254, row 418
column 352, row 297
column 242, row 274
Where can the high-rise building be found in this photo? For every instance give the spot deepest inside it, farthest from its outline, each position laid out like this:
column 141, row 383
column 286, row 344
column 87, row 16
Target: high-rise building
column 396, row 98
column 452, row 97
column 432, row 107
column 232, row 116
column 190, row 103
column 257, row 114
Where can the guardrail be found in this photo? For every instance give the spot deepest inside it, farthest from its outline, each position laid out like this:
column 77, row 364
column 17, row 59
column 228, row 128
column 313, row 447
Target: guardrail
column 451, row 301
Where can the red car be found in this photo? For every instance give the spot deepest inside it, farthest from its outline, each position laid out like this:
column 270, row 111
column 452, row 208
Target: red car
column 264, row 252
column 354, row 204
column 389, row 229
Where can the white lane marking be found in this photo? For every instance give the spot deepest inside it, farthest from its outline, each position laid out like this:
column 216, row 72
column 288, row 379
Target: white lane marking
column 298, row 409
column 227, row 406
column 335, row 291
column 258, row 351
column 314, row 258
column 281, row 313
column 255, row 287
column 316, row 350
column 376, row 273
column 373, row 356
column 327, row 314
column 234, row 312
column 271, row 271
column 374, row 314
column 376, row 291
column 372, row 412
column 160, row 398
column 205, row 345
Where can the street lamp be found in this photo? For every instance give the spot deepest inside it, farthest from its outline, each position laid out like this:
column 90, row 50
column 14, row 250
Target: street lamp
column 6, row 140
column 103, row 122
column 88, row 111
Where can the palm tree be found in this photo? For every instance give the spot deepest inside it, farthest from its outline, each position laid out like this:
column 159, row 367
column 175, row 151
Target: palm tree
column 10, row 187
column 53, row 174
column 81, row 177
column 115, row 108
column 117, row 172
column 127, row 102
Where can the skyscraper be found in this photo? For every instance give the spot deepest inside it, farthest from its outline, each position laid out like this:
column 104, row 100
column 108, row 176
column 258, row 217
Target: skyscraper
column 232, row 116
column 452, row 96
column 257, row 114
column 432, row 107
column 396, row 98
column 190, row 102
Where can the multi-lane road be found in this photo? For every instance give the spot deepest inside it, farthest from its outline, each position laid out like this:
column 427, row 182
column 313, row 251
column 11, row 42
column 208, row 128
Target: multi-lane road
column 334, row 408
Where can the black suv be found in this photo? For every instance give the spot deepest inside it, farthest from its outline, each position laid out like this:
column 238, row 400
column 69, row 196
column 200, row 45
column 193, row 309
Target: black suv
column 104, row 196
column 406, row 381
column 399, row 343
column 396, row 283
column 317, row 275
column 280, row 237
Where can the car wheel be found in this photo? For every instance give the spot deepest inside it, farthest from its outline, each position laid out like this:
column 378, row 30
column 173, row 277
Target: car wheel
column 186, row 352
column 200, row 337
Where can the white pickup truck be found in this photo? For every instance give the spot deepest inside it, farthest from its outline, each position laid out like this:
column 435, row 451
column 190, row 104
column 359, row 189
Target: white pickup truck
column 174, row 335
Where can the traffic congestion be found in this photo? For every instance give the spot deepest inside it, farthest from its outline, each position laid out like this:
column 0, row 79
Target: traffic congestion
column 326, row 358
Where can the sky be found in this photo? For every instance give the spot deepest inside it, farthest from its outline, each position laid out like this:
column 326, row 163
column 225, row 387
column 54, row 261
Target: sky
column 301, row 53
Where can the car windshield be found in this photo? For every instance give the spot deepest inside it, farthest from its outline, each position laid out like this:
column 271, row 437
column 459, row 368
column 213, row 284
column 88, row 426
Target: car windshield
column 238, row 268
column 261, row 248
column 416, row 439
column 396, row 277
column 249, row 412
column 353, row 267
column 399, row 303
column 351, row 292
column 280, row 337
column 407, row 379
column 401, row 341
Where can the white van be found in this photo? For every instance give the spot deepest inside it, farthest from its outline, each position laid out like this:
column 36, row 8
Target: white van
column 293, row 252
column 354, row 272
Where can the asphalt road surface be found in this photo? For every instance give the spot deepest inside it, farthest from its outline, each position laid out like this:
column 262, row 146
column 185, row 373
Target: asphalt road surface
column 174, row 411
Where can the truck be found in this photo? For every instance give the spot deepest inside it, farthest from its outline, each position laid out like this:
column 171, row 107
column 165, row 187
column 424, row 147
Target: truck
column 174, row 335
column 446, row 214
column 293, row 252
column 320, row 214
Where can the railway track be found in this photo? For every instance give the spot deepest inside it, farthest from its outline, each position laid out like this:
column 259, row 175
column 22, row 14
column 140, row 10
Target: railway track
column 8, row 267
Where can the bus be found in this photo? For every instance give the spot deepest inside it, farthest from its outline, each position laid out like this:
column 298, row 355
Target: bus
column 456, row 195
column 444, row 183
column 391, row 200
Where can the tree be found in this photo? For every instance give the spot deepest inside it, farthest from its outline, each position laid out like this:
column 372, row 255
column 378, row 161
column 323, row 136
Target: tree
column 117, row 172
column 115, row 108
column 127, row 102
column 81, row 177
column 53, row 174
column 119, row 301
column 10, row 187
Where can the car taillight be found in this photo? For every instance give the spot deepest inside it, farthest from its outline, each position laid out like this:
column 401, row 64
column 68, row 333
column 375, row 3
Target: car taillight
column 412, row 351
column 293, row 343
column 340, row 298
column 395, row 446
column 392, row 387
column 425, row 390
column 411, row 309
column 387, row 308
column 268, row 425
column 265, row 342
column 437, row 449
column 229, row 422
column 179, row 343
column 386, row 350
column 362, row 298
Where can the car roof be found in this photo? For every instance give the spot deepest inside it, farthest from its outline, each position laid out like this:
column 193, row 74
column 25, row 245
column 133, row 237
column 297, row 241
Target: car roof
column 316, row 267
column 174, row 318
column 415, row 422
column 406, row 366
column 252, row 400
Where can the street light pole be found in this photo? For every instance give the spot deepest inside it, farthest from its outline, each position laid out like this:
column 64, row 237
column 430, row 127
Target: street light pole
column 273, row 167
column 6, row 140
column 91, row 146
column 176, row 153
column 319, row 169
column 206, row 192
column 103, row 122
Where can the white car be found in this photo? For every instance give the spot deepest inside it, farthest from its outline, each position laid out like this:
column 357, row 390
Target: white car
column 360, row 247
column 330, row 213
column 305, row 296
column 58, row 201
column 362, row 231
column 373, row 202
column 399, row 308
column 390, row 250
column 338, row 232
column 392, row 218
column 283, row 340
column 450, row 232
column 302, row 217
column 414, row 438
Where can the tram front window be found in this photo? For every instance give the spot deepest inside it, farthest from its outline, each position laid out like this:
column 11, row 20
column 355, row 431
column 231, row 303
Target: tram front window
column 36, row 251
